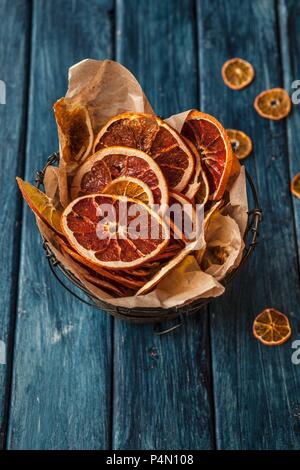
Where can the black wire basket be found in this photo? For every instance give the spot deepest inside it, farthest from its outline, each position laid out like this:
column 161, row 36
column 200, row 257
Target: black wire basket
column 151, row 315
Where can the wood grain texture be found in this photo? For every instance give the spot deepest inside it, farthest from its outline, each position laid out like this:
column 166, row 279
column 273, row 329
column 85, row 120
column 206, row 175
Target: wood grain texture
column 289, row 24
column 161, row 385
column 256, row 388
column 62, row 355
column 13, row 62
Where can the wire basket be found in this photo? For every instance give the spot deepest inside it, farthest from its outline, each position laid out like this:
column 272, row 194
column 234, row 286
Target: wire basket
column 151, row 315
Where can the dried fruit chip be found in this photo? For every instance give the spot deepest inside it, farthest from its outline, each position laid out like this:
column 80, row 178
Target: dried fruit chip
column 110, row 164
column 130, row 187
column 237, row 73
column 149, row 286
column 295, row 185
column 214, row 146
column 74, row 130
column 114, row 231
column 273, row 104
column 124, row 278
column 41, row 205
column 241, row 143
column 271, row 327
column 152, row 135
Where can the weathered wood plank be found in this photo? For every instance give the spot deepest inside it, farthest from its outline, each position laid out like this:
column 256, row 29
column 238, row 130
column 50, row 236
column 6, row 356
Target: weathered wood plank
column 13, row 97
column 62, row 359
column 289, row 23
column 256, row 388
column 161, row 385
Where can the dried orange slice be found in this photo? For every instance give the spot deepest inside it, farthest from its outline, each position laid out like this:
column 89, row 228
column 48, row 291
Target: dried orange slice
column 124, row 279
column 115, row 232
column 295, row 185
column 214, row 146
column 109, row 164
column 241, row 143
column 152, row 135
column 130, row 187
column 74, row 130
column 237, row 73
column 273, row 104
column 271, row 327
column 41, row 205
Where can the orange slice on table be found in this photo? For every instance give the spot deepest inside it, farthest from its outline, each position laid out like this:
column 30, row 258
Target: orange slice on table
column 273, row 104
column 240, row 142
column 271, row 327
column 295, row 185
column 130, row 187
column 41, row 205
column 74, row 130
column 214, row 147
column 115, row 232
column 112, row 163
column 237, row 73
column 152, row 135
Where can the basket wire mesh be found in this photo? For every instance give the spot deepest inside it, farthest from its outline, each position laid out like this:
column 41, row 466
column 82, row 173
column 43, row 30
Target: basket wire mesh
column 152, row 315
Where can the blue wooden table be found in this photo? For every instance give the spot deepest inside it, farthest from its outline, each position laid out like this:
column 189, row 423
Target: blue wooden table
column 74, row 378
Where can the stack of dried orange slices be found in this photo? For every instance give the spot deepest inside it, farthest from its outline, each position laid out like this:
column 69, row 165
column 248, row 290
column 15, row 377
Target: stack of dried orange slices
column 137, row 164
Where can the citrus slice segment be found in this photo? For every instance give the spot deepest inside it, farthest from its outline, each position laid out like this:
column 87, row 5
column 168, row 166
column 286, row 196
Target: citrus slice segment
column 274, row 104
column 115, row 232
column 271, row 327
column 130, row 187
column 214, row 147
column 111, row 163
column 152, row 135
column 74, row 130
column 240, row 142
column 41, row 205
column 237, row 73
column 295, row 185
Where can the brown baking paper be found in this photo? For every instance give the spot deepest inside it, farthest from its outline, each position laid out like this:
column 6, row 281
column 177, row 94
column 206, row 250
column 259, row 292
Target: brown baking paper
column 107, row 88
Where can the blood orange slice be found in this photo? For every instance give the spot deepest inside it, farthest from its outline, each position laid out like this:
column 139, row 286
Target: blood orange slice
column 214, row 146
column 41, row 205
column 111, row 163
column 152, row 135
column 130, row 187
column 74, row 130
column 114, row 231
column 124, row 279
